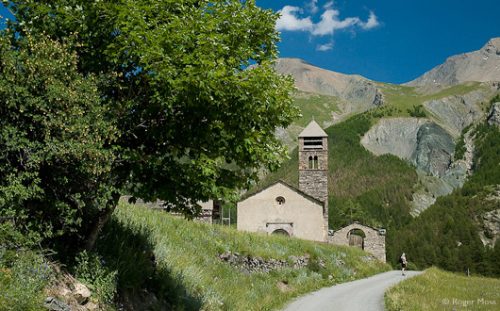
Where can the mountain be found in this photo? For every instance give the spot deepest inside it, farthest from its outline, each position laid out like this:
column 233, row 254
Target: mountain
column 402, row 156
column 420, row 125
column 326, row 96
column 361, row 93
column 482, row 66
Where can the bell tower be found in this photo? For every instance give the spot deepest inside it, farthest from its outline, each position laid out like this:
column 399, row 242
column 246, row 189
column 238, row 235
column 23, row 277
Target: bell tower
column 313, row 165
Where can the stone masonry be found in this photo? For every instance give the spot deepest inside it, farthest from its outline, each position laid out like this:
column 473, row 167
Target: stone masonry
column 374, row 241
column 313, row 179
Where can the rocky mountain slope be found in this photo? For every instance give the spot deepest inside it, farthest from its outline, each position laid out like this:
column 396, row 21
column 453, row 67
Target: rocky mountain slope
column 428, row 147
column 482, row 65
column 420, row 125
column 359, row 93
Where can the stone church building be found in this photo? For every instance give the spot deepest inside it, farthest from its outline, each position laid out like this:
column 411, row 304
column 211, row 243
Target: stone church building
column 283, row 209
column 303, row 213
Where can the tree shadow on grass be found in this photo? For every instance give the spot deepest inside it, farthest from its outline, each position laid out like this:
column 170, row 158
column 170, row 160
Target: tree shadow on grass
column 143, row 284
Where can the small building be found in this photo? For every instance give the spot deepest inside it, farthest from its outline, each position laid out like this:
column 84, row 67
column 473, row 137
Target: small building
column 210, row 211
column 282, row 208
column 370, row 239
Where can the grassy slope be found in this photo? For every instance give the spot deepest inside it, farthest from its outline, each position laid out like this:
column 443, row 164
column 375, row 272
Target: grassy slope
column 190, row 273
column 319, row 107
column 439, row 290
column 400, row 98
column 314, row 105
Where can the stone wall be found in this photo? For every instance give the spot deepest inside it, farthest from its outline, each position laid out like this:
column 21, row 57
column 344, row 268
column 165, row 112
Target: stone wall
column 374, row 241
column 249, row 264
column 314, row 183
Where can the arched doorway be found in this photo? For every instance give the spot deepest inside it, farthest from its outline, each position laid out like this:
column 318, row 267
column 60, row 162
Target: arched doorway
column 356, row 238
column 281, row 232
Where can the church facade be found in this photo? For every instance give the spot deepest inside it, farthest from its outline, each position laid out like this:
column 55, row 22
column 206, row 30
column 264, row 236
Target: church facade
column 284, row 209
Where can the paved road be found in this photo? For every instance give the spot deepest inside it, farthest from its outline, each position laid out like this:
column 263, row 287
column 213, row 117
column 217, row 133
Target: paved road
column 361, row 295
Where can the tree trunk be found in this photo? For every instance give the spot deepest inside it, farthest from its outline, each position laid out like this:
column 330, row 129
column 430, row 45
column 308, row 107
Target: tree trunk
column 103, row 218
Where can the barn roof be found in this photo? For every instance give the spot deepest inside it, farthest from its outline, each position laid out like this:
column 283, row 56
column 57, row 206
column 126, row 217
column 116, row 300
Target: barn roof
column 313, row 130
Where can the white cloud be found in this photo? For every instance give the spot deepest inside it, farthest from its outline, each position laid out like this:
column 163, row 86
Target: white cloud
column 291, row 22
column 313, row 6
column 328, row 5
column 371, row 23
column 330, row 20
column 324, row 47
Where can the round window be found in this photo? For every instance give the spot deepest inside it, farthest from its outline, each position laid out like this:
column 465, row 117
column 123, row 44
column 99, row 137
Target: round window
column 280, row 200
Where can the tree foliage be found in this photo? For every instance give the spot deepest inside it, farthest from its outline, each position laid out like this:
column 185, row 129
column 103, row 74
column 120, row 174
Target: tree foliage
column 54, row 159
column 191, row 120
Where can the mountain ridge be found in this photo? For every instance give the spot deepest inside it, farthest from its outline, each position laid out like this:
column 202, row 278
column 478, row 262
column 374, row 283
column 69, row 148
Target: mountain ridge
column 359, row 92
column 482, row 65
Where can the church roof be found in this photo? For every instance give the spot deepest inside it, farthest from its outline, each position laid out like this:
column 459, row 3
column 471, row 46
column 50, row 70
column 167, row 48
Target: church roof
column 302, row 193
column 313, row 130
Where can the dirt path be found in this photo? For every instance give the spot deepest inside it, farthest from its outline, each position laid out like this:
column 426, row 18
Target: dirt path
column 361, row 295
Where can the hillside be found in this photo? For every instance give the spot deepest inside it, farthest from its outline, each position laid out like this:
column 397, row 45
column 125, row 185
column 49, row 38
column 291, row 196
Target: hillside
column 191, row 266
column 440, row 290
column 353, row 92
column 420, row 125
column 394, row 159
column 451, row 233
column 482, row 65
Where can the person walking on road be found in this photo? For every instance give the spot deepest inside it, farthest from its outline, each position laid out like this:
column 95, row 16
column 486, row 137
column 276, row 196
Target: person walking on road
column 403, row 262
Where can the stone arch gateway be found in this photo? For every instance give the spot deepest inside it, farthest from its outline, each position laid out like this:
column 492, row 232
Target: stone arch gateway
column 373, row 242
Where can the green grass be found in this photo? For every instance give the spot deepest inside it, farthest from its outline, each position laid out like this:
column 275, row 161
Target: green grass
column 189, row 275
column 400, row 99
column 312, row 106
column 319, row 107
column 438, row 290
column 23, row 276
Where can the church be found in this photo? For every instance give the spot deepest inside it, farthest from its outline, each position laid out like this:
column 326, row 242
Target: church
column 281, row 208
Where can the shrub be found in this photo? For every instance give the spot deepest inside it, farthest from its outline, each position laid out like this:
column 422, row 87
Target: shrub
column 90, row 269
column 417, row 112
column 23, row 276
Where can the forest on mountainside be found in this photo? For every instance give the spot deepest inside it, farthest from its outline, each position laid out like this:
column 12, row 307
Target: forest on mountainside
column 447, row 233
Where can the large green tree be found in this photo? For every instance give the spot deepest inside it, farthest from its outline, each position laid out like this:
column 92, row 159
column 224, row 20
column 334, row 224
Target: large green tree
column 193, row 118
column 54, row 159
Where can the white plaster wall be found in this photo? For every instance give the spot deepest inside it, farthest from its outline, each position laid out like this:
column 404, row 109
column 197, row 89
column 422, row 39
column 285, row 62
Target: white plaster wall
column 304, row 215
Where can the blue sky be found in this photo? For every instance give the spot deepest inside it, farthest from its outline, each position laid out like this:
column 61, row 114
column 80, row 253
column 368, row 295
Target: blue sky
column 384, row 40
